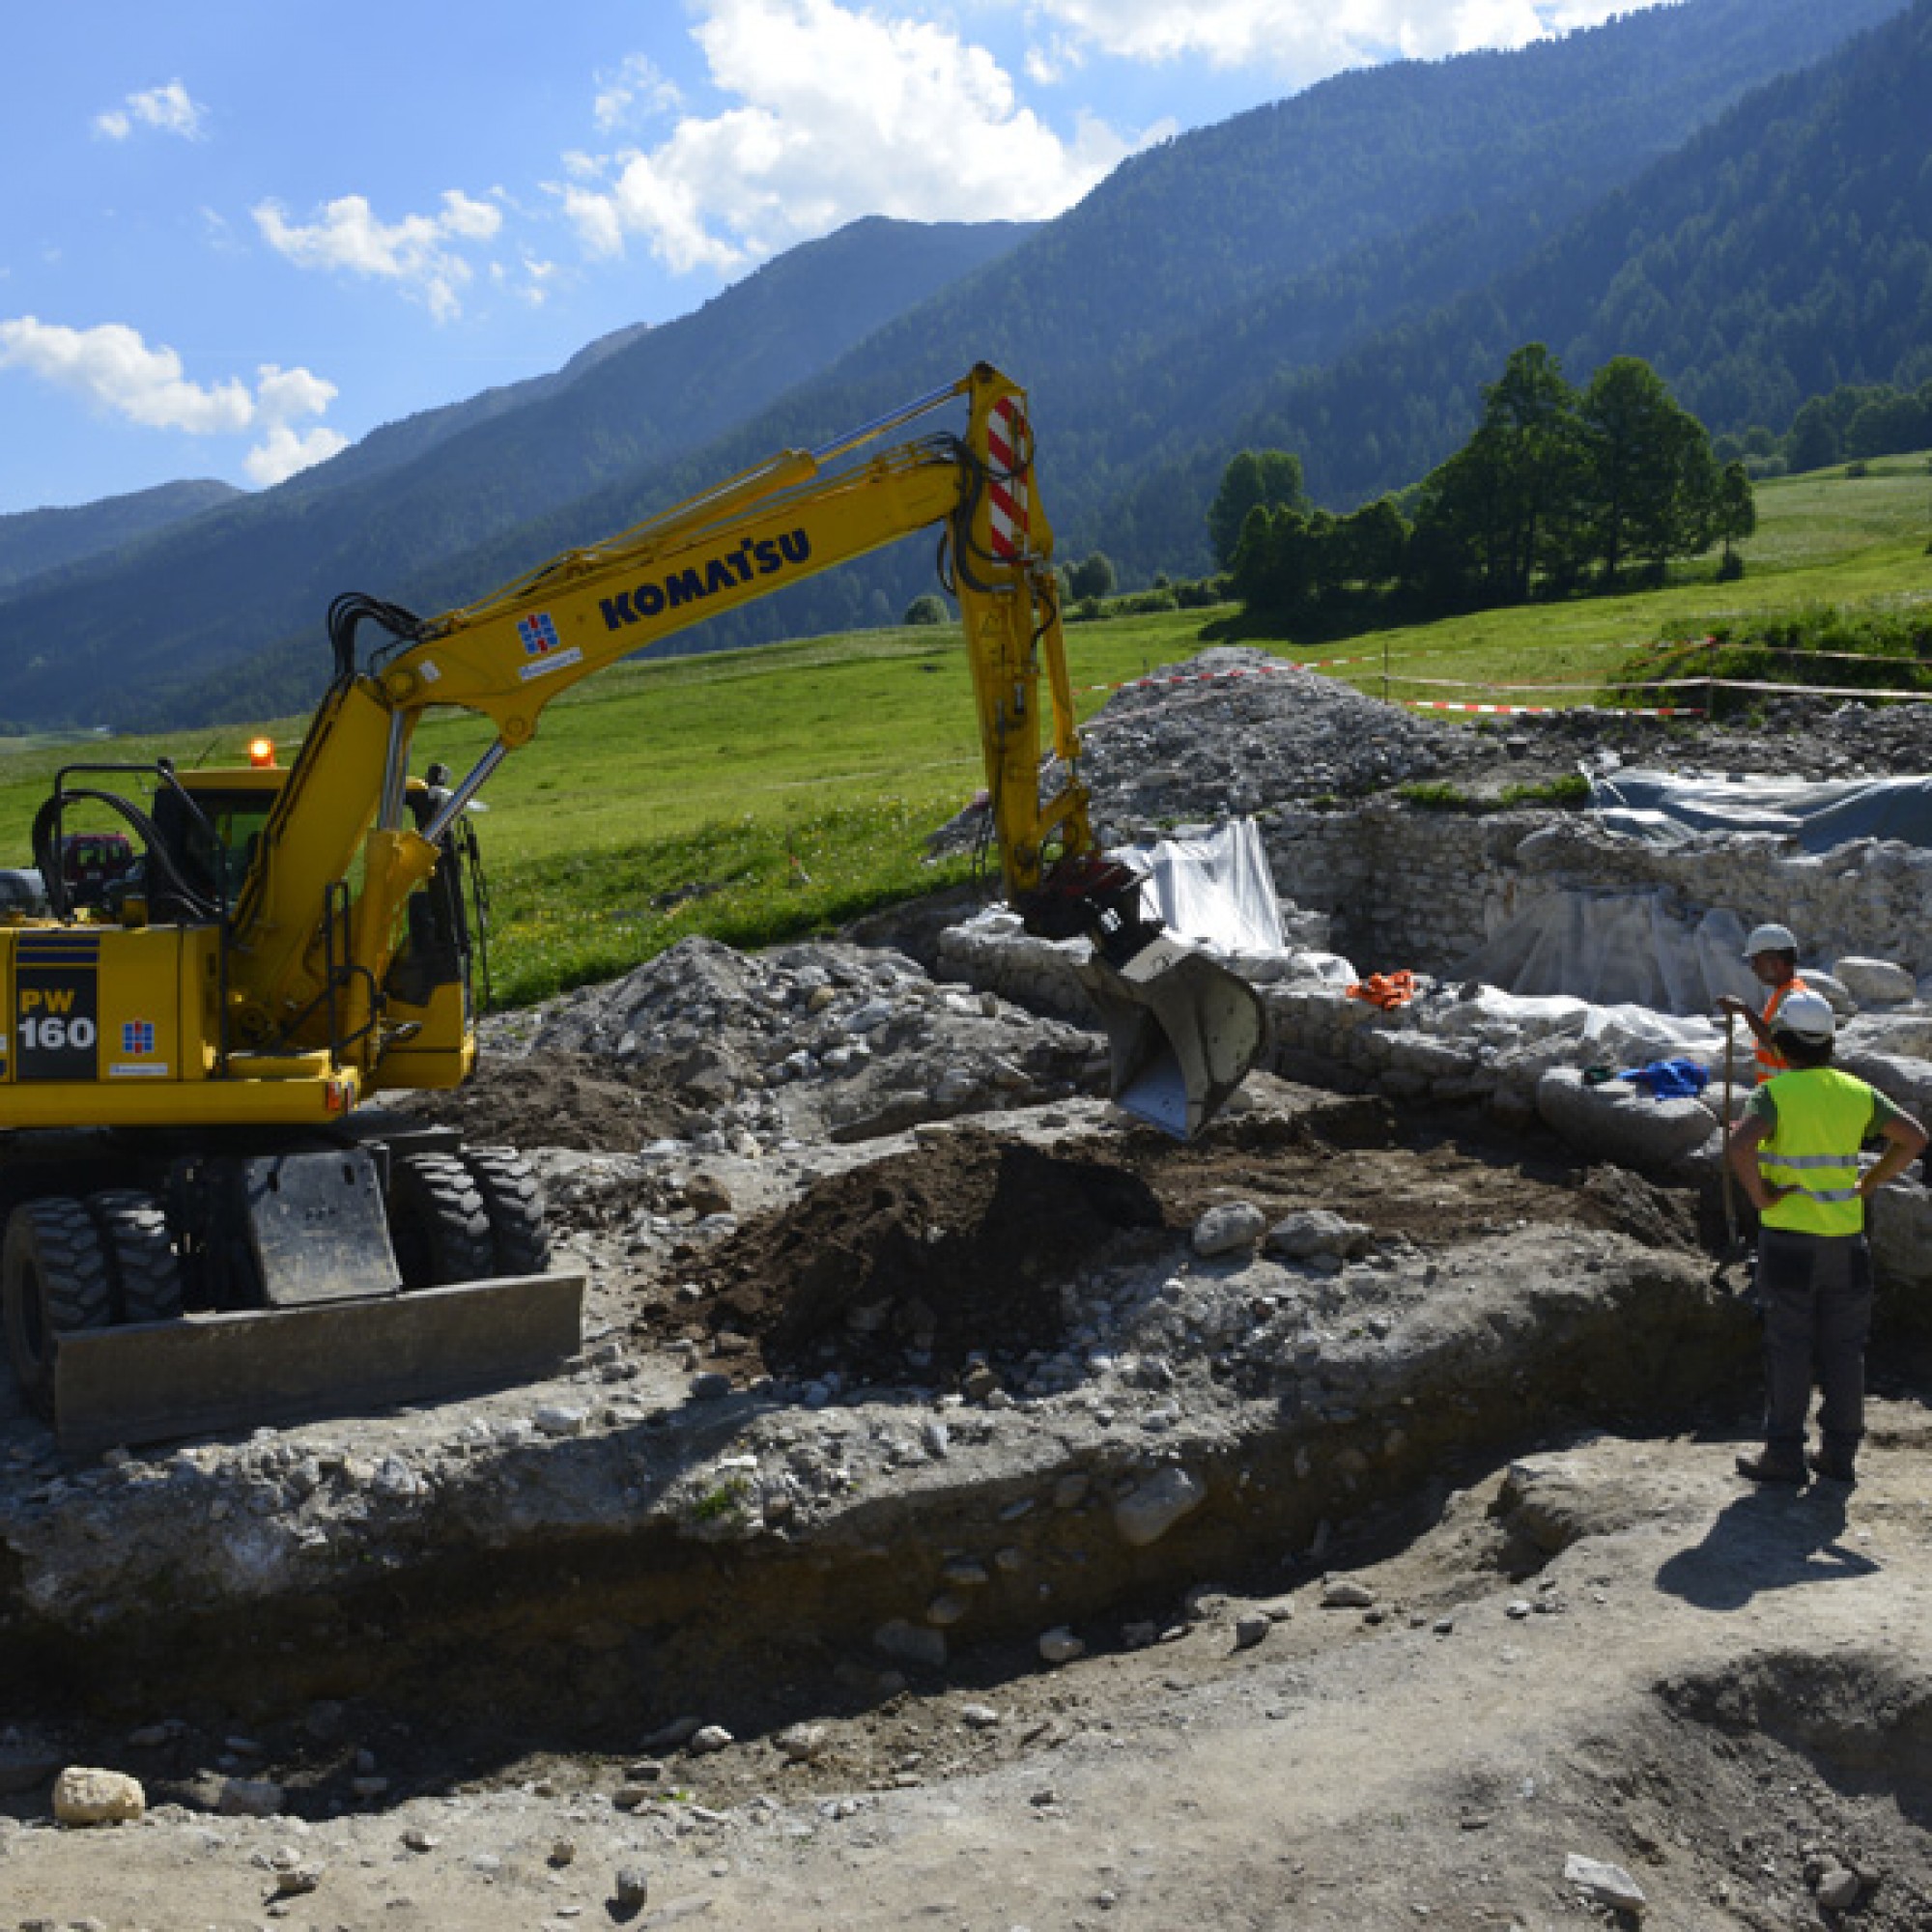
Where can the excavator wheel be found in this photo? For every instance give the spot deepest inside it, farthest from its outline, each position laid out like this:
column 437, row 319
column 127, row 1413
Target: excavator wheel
column 513, row 1198
column 141, row 1258
column 54, row 1278
column 438, row 1222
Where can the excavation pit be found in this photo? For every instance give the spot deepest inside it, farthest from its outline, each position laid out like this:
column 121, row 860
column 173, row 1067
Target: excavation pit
column 907, row 1375
column 981, row 1379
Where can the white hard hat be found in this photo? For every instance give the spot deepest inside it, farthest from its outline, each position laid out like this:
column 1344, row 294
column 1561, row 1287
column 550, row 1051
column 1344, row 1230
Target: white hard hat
column 1807, row 1014
column 1770, row 939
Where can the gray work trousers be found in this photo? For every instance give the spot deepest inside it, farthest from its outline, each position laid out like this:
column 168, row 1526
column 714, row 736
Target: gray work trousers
column 1817, row 1296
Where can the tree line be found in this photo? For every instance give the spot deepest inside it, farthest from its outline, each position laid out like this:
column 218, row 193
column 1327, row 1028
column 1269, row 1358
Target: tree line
column 1853, row 421
column 1558, row 491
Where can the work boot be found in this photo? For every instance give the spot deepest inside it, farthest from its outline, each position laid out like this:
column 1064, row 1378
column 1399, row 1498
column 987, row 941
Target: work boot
column 1769, row 1466
column 1833, row 1468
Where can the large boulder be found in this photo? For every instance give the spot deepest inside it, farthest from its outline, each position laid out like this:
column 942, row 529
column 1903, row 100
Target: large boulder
column 1617, row 1120
column 1876, row 983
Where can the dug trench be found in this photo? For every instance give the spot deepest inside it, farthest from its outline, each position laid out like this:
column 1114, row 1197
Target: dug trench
column 1235, row 1416
column 948, row 1534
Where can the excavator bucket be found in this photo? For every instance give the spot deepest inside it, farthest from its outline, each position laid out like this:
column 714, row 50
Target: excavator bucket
column 1183, row 1032
column 202, row 1375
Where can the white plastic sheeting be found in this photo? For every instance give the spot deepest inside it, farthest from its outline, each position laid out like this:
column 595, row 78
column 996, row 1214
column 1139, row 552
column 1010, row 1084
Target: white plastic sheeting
column 1620, row 1035
column 1213, row 884
column 1634, row 948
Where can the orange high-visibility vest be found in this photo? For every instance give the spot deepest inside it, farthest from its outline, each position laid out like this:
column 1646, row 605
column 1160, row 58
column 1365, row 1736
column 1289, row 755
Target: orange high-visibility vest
column 1770, row 1062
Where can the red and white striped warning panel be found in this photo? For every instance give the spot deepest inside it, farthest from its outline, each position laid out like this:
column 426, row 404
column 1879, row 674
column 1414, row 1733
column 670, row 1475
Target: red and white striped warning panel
column 1006, row 489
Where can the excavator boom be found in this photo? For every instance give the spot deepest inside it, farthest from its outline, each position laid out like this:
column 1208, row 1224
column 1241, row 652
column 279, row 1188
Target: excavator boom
column 206, row 1224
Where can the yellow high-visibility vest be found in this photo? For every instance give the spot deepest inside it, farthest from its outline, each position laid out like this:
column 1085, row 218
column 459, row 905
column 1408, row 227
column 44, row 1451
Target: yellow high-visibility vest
column 1823, row 1115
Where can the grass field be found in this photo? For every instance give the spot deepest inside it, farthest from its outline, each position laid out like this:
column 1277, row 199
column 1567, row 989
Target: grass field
column 1824, row 539
column 770, row 793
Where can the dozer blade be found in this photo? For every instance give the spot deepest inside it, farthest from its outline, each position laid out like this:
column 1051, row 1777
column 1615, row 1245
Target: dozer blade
column 1184, row 1030
column 156, row 1382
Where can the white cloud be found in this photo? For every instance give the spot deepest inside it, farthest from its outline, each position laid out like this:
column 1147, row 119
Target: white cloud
column 1304, row 40
column 634, row 91
column 283, row 395
column 419, row 252
column 538, row 275
column 115, row 370
column 841, row 113
column 112, row 367
column 281, row 453
column 168, row 110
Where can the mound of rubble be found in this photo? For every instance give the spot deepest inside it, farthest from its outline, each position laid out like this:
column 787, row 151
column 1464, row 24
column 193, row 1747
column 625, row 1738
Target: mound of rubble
column 1237, row 730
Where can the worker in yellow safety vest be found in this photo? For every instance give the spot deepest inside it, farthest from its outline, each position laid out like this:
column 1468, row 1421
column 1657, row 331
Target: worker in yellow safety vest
column 1795, row 1150
column 1773, row 953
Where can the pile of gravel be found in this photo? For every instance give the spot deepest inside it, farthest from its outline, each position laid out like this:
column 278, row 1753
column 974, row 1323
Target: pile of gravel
column 816, row 1040
column 1237, row 731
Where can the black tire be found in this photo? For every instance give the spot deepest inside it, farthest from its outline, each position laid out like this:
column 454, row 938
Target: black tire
column 437, row 1223
column 54, row 1280
column 141, row 1257
column 513, row 1198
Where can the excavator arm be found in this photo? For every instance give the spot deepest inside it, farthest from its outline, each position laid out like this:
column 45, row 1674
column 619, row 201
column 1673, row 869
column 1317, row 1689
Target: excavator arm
column 311, row 965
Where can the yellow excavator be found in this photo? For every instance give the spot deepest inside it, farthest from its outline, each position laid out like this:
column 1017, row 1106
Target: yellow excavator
column 209, row 1223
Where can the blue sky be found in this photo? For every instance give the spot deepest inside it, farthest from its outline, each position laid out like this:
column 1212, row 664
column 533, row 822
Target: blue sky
column 240, row 233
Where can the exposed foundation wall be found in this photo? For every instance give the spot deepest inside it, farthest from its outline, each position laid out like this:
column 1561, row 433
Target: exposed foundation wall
column 1388, row 887
column 1398, row 888
column 1423, row 890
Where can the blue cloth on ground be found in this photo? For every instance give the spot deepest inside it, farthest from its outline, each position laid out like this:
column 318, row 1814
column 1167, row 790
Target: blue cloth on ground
column 1669, row 1079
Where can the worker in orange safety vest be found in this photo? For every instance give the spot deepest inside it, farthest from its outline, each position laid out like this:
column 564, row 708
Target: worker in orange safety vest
column 1773, row 953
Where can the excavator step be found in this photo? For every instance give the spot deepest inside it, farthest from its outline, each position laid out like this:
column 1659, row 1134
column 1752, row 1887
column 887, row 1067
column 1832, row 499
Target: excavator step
column 205, row 1375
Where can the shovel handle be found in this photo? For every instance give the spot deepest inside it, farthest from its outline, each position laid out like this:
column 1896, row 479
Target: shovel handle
column 1725, row 1154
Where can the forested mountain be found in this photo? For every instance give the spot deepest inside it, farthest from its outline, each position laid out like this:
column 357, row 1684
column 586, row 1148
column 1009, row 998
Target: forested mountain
column 32, row 541
column 1152, row 318
column 1255, row 281
column 172, row 611
column 1783, row 251
column 397, row 443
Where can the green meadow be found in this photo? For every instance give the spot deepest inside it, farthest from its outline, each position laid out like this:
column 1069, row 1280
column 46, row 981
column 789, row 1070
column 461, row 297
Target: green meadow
column 767, row 794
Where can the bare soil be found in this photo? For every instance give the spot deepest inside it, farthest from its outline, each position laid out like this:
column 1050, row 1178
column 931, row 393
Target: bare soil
column 1604, row 1645
column 918, row 1265
column 1610, row 1650
column 1607, row 1648
column 560, row 1100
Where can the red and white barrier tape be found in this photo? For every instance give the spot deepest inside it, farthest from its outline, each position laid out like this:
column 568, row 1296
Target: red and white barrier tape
column 1706, row 684
column 1554, row 710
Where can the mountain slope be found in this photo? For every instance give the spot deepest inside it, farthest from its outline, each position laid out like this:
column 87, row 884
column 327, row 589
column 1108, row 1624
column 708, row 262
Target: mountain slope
column 1479, row 161
column 1181, row 302
column 397, row 443
column 33, row 541
column 1782, row 251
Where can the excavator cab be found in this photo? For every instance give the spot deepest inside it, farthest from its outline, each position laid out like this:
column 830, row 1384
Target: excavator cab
column 199, row 1231
column 212, row 833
